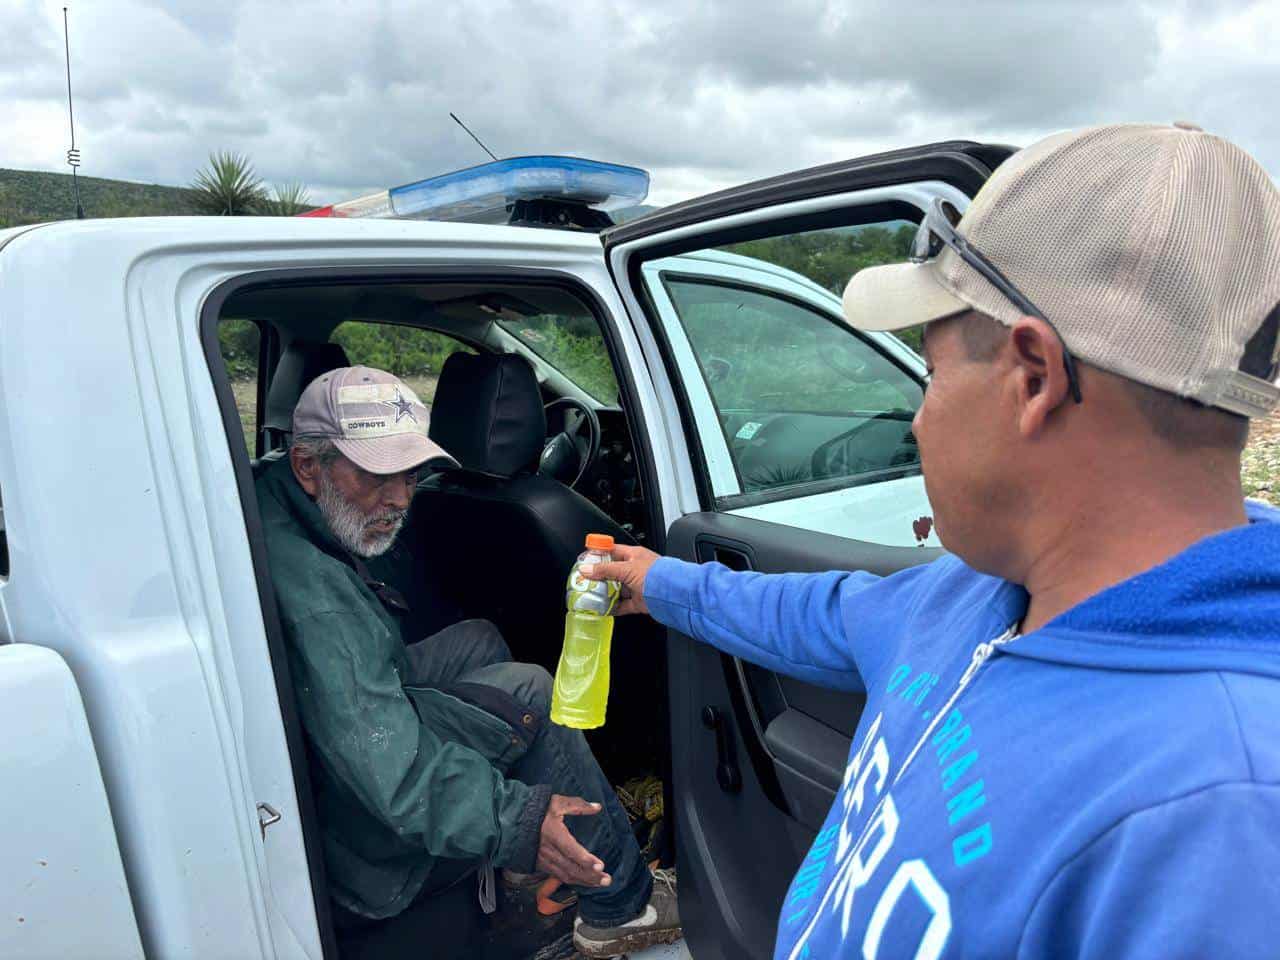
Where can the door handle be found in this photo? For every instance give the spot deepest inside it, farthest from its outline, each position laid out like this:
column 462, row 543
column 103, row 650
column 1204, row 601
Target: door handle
column 727, row 773
column 267, row 815
column 733, row 556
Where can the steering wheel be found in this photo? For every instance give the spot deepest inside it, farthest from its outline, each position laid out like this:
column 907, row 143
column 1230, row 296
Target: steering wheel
column 568, row 452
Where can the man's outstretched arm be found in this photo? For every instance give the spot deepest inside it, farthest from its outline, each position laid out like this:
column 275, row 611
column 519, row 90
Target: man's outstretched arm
column 790, row 623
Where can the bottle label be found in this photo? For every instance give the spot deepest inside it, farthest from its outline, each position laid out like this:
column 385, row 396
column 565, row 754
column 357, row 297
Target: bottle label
column 590, row 596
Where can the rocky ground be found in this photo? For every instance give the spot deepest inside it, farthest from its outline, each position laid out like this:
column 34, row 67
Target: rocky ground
column 1260, row 473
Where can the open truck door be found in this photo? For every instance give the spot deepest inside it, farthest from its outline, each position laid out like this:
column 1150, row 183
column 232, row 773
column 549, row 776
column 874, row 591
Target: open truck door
column 798, row 441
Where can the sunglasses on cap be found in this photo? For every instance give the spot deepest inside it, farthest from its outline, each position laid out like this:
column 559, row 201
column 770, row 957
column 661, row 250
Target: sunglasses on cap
column 938, row 230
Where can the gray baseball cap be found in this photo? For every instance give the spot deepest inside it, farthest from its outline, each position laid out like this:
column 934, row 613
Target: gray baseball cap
column 1153, row 250
column 372, row 417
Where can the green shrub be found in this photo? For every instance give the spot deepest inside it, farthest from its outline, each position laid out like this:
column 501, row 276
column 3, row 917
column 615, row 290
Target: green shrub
column 830, row 257
column 239, row 342
column 573, row 345
column 403, row 351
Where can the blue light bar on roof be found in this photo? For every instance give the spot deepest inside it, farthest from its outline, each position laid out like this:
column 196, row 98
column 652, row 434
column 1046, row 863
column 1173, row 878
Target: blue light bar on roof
column 484, row 193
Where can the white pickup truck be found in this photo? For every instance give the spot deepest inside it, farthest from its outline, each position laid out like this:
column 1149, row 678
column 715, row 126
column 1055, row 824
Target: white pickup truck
column 154, row 796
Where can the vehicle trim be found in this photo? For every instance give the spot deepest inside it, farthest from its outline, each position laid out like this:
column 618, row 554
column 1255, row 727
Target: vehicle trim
column 809, row 488
column 964, row 163
column 697, row 458
column 17, row 232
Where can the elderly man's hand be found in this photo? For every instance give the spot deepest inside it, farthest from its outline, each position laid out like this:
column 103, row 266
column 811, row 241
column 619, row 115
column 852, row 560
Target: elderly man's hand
column 629, row 567
column 559, row 854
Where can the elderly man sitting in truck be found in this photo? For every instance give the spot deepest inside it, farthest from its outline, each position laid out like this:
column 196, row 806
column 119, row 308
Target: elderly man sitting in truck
column 433, row 757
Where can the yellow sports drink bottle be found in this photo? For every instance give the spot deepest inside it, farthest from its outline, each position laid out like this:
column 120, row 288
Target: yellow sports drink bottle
column 582, row 680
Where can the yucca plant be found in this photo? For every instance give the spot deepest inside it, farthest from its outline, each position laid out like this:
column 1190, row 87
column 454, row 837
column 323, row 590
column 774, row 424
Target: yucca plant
column 778, row 475
column 228, row 187
column 288, row 199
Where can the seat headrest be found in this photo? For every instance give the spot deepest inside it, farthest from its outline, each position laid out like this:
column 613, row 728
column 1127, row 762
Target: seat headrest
column 488, row 413
column 300, row 363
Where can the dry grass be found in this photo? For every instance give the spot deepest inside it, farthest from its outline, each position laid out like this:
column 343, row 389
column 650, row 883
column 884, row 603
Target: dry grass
column 246, row 394
column 424, row 387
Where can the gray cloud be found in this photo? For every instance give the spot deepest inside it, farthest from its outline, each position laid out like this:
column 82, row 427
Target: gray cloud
column 1034, row 63
column 352, row 97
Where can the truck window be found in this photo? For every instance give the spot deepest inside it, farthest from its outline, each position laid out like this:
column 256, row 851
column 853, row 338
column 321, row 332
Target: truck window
column 801, row 398
column 411, row 353
column 240, row 342
column 802, row 420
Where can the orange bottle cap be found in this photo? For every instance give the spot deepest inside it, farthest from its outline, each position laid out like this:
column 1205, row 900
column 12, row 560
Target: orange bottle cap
column 599, row 541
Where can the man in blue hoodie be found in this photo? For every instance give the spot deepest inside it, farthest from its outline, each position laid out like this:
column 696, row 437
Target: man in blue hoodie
column 1096, row 772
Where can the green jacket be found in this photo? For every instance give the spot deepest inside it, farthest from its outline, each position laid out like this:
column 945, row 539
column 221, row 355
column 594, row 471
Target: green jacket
column 397, row 792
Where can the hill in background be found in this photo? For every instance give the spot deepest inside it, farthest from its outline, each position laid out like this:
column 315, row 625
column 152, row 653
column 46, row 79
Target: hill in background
column 29, row 196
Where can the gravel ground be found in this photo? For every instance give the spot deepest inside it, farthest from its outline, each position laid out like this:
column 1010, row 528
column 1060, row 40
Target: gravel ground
column 1260, row 472
column 246, row 394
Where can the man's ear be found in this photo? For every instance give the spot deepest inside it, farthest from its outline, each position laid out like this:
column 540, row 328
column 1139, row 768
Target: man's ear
column 306, row 470
column 1040, row 374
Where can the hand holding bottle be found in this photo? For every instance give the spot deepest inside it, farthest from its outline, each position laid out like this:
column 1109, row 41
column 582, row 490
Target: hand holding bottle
column 581, row 691
column 628, row 567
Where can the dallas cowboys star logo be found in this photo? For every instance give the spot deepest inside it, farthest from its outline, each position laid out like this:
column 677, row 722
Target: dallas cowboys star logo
column 402, row 407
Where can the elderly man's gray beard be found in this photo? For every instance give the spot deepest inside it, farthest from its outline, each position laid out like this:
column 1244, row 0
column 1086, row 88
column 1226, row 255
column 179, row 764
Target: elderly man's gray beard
column 350, row 525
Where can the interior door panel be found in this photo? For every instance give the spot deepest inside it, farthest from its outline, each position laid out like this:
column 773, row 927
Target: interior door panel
column 786, row 743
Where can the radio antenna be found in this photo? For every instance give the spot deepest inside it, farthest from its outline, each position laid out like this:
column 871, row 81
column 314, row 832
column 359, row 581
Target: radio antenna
column 73, row 155
column 473, row 136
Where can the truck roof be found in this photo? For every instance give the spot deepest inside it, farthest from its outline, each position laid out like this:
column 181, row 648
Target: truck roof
column 11, row 232
column 143, row 233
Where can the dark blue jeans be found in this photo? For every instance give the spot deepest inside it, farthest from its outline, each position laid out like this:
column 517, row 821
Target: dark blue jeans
column 474, row 652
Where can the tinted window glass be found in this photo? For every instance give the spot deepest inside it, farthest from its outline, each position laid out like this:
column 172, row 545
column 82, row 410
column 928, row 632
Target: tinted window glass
column 830, row 257
column 573, row 344
column 799, row 397
column 414, row 355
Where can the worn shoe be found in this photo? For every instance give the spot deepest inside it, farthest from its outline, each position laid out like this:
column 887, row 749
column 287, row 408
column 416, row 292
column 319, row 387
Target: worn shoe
column 659, row 923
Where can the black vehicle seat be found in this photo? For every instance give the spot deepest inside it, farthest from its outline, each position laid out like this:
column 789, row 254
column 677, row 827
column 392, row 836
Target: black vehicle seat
column 300, row 363
column 510, row 534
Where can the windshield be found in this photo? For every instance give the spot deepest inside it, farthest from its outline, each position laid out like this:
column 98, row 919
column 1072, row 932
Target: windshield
column 573, row 345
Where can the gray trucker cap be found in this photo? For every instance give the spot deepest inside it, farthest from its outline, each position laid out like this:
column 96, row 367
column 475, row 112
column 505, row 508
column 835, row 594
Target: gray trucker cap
column 1153, row 250
column 372, row 417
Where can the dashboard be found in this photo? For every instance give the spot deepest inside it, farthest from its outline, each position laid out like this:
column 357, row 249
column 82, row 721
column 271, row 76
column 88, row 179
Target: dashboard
column 612, row 482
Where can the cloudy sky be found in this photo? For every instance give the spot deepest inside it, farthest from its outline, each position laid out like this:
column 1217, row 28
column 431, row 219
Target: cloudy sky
column 351, row 97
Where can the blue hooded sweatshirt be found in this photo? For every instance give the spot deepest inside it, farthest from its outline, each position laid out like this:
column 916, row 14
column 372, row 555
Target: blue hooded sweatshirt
column 1106, row 786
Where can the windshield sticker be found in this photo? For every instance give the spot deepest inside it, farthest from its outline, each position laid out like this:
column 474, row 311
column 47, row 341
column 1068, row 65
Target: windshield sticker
column 748, row 430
